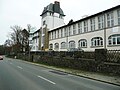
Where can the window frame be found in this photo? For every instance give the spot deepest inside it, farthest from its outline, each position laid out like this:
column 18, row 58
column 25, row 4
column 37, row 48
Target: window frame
column 110, row 19
column 51, row 46
column 92, row 23
column 112, row 38
column 79, row 27
column 118, row 14
column 74, row 29
column 82, row 43
column 96, row 42
column 56, row 46
column 85, row 26
column 63, row 45
column 101, row 22
column 72, row 44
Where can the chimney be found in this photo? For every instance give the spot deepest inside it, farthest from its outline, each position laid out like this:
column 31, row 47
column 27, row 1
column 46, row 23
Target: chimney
column 57, row 2
column 56, row 7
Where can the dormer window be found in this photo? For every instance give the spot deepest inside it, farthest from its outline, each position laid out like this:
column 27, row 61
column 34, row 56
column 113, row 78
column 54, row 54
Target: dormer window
column 44, row 22
column 51, row 14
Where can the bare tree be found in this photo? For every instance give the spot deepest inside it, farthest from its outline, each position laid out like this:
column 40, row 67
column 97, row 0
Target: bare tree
column 20, row 38
column 25, row 40
column 30, row 28
column 16, row 37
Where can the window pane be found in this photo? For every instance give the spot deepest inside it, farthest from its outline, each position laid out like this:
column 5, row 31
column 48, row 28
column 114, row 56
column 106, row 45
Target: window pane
column 101, row 43
column 72, row 44
column 97, row 41
column 114, row 41
column 119, row 20
column 56, row 46
column 63, row 45
column 110, row 42
column 118, row 40
column 51, row 46
column 83, row 44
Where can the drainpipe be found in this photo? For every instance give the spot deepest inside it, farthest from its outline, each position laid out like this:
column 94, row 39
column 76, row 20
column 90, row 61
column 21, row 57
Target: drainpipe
column 104, row 31
column 67, row 44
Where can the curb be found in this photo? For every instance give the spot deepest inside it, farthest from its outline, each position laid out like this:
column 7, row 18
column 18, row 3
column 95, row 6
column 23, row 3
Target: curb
column 96, row 79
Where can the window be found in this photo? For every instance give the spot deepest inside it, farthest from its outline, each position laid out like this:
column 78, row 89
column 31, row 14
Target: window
column 52, row 35
column 92, row 22
column 58, row 34
column 118, row 13
column 36, row 39
column 44, row 22
column 110, row 20
column 55, row 34
column 114, row 39
column 43, row 39
column 30, row 42
column 97, row 41
column 63, row 45
column 85, row 26
column 62, row 33
column 50, row 13
column 65, row 32
column 69, row 30
column 51, row 46
column 72, row 44
column 74, row 29
column 101, row 22
column 82, row 43
column 79, row 28
column 56, row 45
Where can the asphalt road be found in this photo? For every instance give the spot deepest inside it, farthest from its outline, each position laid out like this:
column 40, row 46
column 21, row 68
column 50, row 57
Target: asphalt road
column 19, row 75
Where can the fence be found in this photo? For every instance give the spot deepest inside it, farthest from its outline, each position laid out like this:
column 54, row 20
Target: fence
column 113, row 56
column 102, row 60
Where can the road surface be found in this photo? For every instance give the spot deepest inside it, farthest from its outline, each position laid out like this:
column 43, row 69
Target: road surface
column 19, row 75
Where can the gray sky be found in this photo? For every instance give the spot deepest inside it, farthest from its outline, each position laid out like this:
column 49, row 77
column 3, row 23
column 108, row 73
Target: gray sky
column 23, row 12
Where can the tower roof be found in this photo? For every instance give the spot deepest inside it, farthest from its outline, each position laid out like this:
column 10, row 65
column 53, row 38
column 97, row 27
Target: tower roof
column 54, row 8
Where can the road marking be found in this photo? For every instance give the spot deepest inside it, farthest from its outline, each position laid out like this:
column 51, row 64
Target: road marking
column 11, row 63
column 19, row 67
column 46, row 79
column 70, row 75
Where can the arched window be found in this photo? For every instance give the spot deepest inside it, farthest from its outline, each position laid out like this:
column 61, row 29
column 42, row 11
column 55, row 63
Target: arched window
column 114, row 39
column 63, row 45
column 97, row 41
column 82, row 43
column 51, row 46
column 56, row 45
column 72, row 44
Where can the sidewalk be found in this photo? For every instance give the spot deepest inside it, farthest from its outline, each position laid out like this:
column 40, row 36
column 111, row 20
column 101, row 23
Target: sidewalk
column 97, row 76
column 91, row 75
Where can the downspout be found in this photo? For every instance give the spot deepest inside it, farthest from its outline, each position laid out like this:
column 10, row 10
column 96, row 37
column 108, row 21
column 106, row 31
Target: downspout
column 104, row 31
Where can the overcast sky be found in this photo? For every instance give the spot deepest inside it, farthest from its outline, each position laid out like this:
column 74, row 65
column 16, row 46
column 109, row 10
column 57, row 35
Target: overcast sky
column 23, row 12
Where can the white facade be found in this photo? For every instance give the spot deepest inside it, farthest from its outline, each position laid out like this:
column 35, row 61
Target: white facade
column 101, row 30
column 52, row 17
column 30, row 40
column 35, row 41
column 52, row 20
